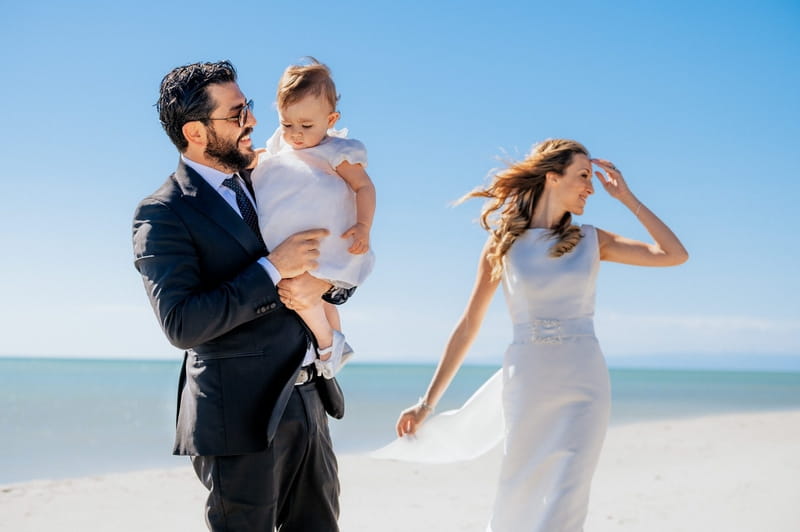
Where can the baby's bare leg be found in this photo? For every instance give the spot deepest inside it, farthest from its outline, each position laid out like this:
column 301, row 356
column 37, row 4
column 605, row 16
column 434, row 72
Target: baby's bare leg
column 316, row 319
column 323, row 320
column 332, row 314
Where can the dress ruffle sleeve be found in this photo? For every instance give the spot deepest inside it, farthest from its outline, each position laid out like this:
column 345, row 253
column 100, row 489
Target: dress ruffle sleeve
column 338, row 149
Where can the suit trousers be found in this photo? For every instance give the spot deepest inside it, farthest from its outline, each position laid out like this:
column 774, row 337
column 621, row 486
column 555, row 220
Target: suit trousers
column 292, row 486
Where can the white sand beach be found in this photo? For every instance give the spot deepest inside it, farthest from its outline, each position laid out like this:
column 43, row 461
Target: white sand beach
column 721, row 473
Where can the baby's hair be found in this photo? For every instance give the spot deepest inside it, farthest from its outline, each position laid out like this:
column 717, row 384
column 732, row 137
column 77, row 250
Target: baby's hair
column 299, row 81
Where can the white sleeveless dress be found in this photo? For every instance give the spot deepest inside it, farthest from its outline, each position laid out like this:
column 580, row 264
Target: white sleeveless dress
column 555, row 393
column 297, row 190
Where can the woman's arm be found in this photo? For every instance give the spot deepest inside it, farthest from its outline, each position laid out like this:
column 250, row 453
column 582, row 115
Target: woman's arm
column 457, row 346
column 666, row 250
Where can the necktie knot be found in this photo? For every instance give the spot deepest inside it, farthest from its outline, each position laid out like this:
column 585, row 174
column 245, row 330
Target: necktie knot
column 246, row 208
column 232, row 182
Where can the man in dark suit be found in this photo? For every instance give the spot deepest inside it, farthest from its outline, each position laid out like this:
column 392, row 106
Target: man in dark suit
column 249, row 408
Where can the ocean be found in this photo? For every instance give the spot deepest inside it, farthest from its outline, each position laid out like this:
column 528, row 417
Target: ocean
column 63, row 418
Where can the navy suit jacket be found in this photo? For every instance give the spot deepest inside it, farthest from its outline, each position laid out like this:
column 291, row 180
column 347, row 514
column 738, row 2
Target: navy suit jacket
column 244, row 348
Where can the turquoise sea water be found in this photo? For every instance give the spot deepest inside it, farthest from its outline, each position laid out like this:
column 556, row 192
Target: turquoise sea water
column 67, row 418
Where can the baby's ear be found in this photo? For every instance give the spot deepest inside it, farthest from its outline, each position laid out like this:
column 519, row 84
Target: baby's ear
column 332, row 118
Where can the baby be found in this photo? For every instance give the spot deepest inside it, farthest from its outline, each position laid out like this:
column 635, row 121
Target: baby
column 311, row 176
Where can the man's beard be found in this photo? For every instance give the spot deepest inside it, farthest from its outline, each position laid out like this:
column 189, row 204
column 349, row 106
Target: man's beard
column 227, row 153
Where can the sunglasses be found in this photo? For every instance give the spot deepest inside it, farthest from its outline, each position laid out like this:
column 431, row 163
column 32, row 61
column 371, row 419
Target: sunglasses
column 241, row 118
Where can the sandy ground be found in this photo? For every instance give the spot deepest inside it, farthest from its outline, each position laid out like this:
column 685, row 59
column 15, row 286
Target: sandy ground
column 725, row 473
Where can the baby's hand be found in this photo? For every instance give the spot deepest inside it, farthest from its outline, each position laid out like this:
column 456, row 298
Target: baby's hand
column 360, row 235
column 255, row 160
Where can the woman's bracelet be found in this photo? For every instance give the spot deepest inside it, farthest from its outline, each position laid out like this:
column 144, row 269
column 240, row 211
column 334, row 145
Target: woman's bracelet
column 423, row 404
column 638, row 208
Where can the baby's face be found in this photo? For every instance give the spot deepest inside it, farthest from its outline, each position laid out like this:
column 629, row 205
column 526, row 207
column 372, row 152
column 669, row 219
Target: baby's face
column 306, row 122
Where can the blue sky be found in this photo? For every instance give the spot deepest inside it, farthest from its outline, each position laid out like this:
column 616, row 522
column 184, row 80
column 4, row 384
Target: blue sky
column 696, row 102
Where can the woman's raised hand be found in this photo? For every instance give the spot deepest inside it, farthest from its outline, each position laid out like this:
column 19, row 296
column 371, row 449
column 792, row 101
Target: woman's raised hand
column 612, row 180
column 667, row 250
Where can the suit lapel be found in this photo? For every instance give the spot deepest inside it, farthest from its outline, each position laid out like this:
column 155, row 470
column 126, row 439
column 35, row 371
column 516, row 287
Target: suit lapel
column 202, row 197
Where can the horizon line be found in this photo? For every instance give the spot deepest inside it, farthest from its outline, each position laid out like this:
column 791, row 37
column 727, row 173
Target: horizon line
column 782, row 363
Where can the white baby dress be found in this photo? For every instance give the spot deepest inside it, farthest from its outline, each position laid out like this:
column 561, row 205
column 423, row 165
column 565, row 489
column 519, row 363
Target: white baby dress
column 297, row 190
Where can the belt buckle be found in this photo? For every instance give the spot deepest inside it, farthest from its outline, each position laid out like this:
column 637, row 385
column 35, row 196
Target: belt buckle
column 547, row 331
column 304, row 376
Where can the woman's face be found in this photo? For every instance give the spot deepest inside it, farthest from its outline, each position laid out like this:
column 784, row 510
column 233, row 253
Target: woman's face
column 574, row 186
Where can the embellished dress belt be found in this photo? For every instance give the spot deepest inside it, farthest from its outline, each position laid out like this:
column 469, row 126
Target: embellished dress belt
column 552, row 331
column 307, row 374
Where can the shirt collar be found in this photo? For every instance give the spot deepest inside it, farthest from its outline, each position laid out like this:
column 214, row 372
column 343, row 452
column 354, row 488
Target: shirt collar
column 212, row 176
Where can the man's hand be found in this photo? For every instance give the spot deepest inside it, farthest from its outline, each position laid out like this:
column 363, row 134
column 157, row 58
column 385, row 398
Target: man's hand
column 302, row 292
column 298, row 253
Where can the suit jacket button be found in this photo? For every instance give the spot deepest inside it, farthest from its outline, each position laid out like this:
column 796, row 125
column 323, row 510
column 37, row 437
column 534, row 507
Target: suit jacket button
column 273, row 305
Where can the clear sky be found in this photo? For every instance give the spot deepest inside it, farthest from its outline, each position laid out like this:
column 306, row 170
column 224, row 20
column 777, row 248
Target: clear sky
column 697, row 103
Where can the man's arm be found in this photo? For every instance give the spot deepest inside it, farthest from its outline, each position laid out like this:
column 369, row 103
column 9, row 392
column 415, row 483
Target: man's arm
column 189, row 312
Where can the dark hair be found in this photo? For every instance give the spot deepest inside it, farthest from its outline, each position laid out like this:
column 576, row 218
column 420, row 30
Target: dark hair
column 183, row 96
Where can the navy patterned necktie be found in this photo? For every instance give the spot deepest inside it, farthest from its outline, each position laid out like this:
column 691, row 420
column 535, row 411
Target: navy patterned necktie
column 245, row 205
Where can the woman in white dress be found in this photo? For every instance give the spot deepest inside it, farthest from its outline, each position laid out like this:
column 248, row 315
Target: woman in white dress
column 555, row 389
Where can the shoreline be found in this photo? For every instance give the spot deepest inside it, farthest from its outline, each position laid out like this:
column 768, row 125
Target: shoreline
column 73, row 419
column 725, row 472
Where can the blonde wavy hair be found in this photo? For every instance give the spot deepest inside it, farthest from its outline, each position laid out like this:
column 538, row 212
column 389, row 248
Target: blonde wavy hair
column 299, row 81
column 513, row 194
